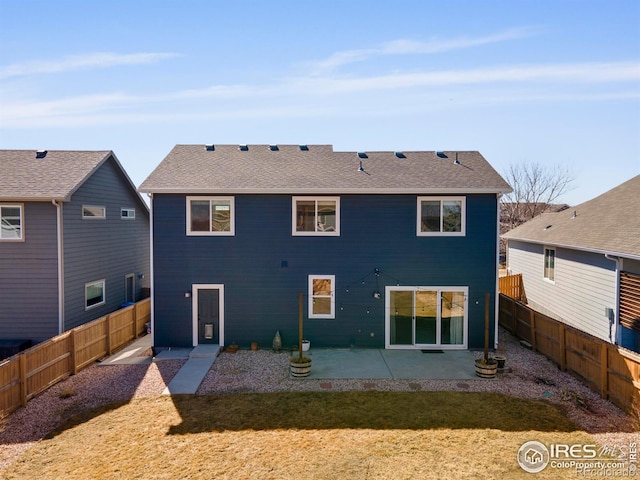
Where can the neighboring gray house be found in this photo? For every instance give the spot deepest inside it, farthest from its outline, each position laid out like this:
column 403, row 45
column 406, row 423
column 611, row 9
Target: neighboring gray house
column 582, row 265
column 74, row 243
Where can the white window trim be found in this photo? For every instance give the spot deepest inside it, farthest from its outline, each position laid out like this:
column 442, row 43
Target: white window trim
column 94, row 217
column 463, row 219
column 21, row 207
column 104, row 294
column 316, row 233
column 232, row 221
column 544, row 264
column 131, row 213
column 332, row 297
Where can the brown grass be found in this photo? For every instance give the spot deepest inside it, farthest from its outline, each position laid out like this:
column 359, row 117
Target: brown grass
column 309, row 435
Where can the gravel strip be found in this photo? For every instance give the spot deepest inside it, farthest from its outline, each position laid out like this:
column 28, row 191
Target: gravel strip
column 532, row 377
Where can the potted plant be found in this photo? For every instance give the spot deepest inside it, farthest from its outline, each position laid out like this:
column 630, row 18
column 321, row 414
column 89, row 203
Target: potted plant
column 300, row 366
column 486, row 367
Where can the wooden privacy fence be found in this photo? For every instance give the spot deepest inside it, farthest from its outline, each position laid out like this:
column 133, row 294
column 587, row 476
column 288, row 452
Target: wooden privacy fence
column 32, row 371
column 512, row 286
column 611, row 371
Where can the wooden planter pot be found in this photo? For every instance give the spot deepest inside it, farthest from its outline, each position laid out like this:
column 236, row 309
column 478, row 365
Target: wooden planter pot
column 300, row 368
column 486, row 370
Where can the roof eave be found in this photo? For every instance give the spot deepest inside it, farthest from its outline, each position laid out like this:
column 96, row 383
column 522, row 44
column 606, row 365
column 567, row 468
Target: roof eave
column 320, row 190
column 601, row 251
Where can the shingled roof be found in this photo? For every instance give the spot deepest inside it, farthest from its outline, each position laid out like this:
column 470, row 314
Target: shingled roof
column 609, row 223
column 319, row 169
column 47, row 175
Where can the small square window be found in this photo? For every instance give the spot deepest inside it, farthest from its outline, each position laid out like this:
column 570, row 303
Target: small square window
column 127, row 213
column 11, row 222
column 94, row 212
column 322, row 296
column 94, row 294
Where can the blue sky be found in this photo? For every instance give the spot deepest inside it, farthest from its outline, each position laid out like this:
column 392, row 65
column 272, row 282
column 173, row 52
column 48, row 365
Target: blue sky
column 553, row 82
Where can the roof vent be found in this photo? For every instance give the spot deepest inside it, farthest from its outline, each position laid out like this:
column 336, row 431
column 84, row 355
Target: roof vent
column 243, row 147
column 362, row 155
column 441, row 154
column 400, row 155
column 273, row 148
column 457, row 162
column 361, row 168
column 41, row 153
column 304, row 148
column 548, row 227
column 209, row 147
column 575, row 214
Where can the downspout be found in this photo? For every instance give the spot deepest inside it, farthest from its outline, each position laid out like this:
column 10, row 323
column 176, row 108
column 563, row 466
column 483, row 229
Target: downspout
column 60, row 266
column 497, row 272
column 615, row 335
column 151, row 270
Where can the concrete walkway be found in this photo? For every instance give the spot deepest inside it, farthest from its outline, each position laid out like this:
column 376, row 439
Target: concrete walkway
column 327, row 363
column 190, row 376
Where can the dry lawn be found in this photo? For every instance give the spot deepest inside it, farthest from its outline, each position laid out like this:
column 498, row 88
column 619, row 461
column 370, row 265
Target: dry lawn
column 311, row 435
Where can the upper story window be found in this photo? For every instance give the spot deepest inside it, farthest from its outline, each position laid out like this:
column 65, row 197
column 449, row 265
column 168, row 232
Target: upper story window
column 441, row 216
column 10, row 222
column 550, row 264
column 210, row 216
column 93, row 212
column 321, row 296
column 316, row 216
column 128, row 213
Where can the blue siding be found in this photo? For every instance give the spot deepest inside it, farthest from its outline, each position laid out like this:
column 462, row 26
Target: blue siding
column 29, row 277
column 261, row 296
column 103, row 249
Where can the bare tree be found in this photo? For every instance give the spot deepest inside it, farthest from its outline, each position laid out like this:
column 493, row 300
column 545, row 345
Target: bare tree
column 535, row 190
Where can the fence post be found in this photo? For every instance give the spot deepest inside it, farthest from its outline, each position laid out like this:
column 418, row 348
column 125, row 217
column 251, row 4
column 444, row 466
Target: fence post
column 72, row 348
column 563, row 347
column 135, row 320
column 23, row 379
column 532, row 325
column 604, row 370
column 108, row 323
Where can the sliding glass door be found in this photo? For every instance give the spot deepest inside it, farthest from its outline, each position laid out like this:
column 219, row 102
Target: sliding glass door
column 426, row 317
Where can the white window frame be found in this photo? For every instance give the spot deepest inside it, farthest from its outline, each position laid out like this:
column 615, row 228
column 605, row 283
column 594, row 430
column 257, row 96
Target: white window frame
column 317, row 231
column 546, row 249
column 94, row 217
column 232, row 223
column 21, row 208
column 440, row 233
column 128, row 213
column 104, row 293
column 332, row 297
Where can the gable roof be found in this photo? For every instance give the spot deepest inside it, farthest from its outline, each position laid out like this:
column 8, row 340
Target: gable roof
column 30, row 176
column 319, row 169
column 607, row 224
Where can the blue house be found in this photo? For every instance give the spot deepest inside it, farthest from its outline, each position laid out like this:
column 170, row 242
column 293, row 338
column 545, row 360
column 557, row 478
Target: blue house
column 74, row 242
column 390, row 249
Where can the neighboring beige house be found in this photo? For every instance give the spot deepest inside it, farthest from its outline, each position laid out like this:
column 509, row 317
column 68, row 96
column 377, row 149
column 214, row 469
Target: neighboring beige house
column 582, row 265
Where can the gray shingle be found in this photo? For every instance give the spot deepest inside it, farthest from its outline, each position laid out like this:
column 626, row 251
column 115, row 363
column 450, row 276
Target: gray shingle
column 55, row 176
column 259, row 169
column 609, row 223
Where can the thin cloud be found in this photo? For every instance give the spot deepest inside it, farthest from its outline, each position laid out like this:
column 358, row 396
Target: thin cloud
column 81, row 62
column 406, row 47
